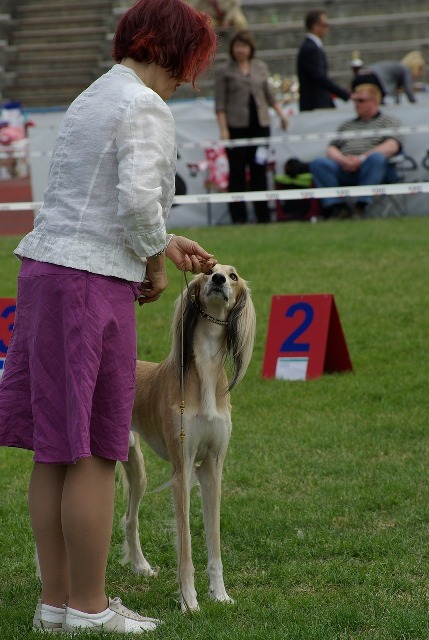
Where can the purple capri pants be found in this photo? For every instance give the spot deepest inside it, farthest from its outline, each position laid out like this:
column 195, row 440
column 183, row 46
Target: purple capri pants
column 67, row 389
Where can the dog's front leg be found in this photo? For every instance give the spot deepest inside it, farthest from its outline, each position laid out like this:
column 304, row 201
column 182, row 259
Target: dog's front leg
column 210, row 478
column 185, row 568
column 136, row 476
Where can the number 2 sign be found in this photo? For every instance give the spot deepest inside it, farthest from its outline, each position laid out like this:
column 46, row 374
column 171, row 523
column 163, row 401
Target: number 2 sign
column 305, row 338
column 7, row 318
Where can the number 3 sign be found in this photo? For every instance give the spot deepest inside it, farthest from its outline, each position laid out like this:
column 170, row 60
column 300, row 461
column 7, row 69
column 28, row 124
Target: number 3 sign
column 305, row 338
column 7, row 318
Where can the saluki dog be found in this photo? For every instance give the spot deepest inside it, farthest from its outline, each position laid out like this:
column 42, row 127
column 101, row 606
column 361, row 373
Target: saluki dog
column 214, row 322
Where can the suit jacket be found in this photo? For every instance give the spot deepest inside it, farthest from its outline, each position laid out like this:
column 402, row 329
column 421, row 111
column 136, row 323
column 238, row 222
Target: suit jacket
column 233, row 91
column 315, row 86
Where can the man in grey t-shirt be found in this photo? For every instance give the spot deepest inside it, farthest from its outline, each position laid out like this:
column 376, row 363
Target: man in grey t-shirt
column 359, row 160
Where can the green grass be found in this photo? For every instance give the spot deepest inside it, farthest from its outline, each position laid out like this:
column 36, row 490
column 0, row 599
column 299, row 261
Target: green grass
column 325, row 516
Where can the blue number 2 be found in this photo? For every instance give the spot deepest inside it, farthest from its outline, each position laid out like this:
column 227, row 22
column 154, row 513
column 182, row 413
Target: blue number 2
column 8, row 311
column 290, row 343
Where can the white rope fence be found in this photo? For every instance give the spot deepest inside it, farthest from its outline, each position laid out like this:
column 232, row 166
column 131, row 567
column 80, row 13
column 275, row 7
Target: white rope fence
column 306, row 194
column 270, row 196
column 11, row 152
column 307, row 137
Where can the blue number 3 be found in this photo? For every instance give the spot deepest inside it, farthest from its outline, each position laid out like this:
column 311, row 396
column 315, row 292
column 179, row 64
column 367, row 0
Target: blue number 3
column 290, row 343
column 5, row 313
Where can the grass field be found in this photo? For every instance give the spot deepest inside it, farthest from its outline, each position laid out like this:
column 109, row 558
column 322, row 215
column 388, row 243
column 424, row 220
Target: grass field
column 325, row 518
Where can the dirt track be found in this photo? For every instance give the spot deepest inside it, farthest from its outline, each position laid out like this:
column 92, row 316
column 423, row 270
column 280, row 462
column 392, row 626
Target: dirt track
column 15, row 222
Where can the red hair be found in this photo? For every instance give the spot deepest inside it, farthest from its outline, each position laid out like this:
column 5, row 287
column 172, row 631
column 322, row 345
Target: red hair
column 169, row 33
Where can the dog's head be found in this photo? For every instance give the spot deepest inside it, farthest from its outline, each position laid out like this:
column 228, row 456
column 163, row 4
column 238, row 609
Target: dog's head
column 219, row 290
column 220, row 297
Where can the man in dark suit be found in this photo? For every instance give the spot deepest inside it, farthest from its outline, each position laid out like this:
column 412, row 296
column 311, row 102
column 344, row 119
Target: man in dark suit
column 315, row 86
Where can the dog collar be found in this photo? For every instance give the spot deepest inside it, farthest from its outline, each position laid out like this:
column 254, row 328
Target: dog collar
column 204, row 314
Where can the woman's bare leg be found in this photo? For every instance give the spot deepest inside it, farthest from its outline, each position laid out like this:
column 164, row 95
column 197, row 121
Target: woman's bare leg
column 71, row 511
column 87, row 518
column 44, row 499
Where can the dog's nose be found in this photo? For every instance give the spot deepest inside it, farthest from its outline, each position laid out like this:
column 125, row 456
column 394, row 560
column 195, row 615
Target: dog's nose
column 218, row 278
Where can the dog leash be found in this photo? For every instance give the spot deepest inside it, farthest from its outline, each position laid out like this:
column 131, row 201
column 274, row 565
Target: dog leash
column 182, row 378
column 182, row 430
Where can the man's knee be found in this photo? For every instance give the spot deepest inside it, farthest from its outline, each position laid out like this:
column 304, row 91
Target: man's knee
column 324, row 172
column 376, row 168
column 376, row 160
column 320, row 164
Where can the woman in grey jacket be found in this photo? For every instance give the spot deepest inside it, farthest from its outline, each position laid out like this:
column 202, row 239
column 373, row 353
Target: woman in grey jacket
column 243, row 96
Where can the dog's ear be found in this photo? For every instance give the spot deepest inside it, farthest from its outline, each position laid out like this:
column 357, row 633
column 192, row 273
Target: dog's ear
column 185, row 320
column 241, row 334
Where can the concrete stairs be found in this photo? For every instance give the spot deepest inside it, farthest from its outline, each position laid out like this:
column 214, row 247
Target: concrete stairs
column 53, row 49
column 379, row 30
column 258, row 11
column 50, row 50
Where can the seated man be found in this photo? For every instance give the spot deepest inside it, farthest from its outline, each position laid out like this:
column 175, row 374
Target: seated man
column 224, row 13
column 358, row 161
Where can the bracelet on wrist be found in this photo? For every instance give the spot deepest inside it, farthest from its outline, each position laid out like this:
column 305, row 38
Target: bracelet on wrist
column 169, row 240
column 156, row 255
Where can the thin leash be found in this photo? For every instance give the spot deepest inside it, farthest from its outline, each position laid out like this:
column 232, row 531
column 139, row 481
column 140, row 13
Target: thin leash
column 182, row 377
column 182, row 429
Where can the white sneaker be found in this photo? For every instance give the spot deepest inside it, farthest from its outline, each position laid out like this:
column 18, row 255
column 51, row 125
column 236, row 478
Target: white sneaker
column 47, row 618
column 116, row 618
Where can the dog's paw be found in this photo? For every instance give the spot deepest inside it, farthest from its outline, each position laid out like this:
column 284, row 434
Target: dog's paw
column 143, row 568
column 188, row 607
column 188, row 602
column 220, row 596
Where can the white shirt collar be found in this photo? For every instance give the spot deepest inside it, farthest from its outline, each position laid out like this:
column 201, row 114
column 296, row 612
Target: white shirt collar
column 315, row 39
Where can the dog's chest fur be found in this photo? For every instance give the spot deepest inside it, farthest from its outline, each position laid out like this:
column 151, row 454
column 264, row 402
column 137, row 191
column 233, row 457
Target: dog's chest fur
column 209, row 352
column 204, row 436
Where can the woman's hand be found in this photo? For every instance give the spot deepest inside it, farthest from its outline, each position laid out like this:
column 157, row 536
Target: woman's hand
column 155, row 281
column 223, row 125
column 189, row 255
column 283, row 121
column 277, row 106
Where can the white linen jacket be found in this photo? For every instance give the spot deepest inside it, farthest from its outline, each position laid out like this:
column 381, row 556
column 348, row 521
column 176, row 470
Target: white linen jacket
column 111, row 181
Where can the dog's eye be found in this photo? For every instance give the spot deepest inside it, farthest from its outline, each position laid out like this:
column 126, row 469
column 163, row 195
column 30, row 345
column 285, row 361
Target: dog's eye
column 233, row 276
column 208, row 273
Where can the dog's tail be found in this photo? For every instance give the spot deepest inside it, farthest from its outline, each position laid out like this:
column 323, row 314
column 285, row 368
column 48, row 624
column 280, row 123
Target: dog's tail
column 167, row 485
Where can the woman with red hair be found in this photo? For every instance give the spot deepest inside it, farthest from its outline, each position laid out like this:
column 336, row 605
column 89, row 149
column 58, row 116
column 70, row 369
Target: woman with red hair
column 99, row 243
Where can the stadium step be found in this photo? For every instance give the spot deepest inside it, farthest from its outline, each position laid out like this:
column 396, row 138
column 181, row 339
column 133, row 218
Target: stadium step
column 41, row 38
